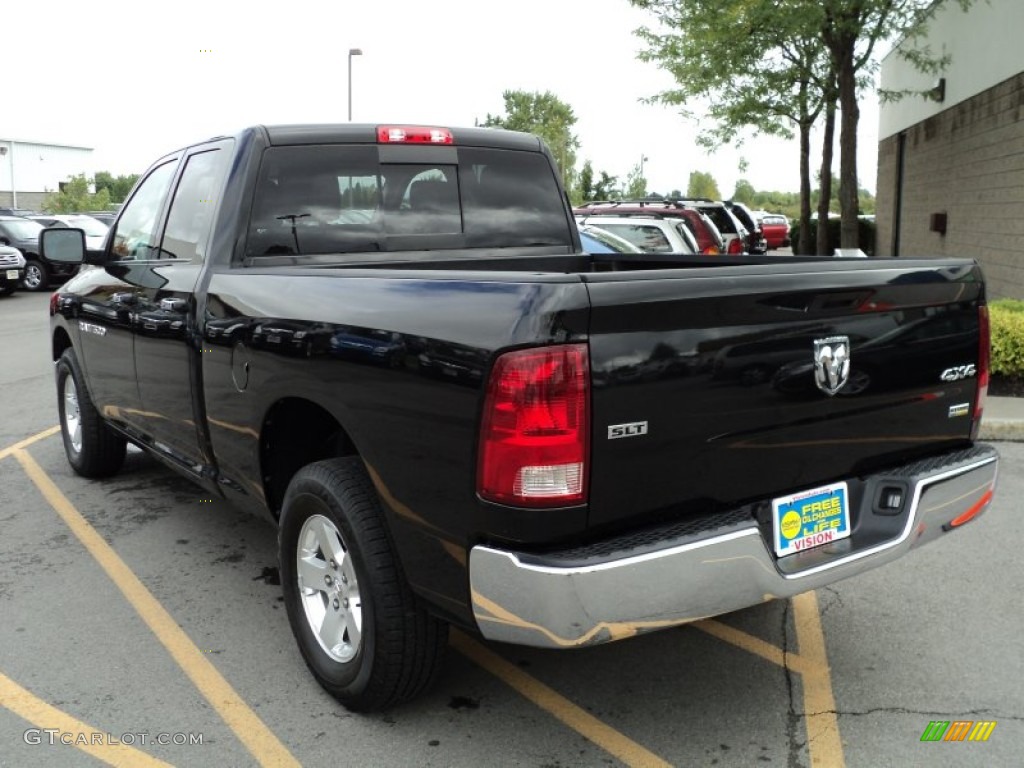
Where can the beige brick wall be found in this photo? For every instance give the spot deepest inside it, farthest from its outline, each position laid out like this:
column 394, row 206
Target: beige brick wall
column 28, row 200
column 967, row 162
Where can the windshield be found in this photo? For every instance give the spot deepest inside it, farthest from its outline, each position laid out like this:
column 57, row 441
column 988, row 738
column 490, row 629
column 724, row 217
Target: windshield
column 23, row 230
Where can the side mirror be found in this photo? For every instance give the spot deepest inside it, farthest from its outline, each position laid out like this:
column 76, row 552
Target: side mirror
column 66, row 246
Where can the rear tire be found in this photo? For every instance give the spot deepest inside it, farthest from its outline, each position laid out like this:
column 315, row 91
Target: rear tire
column 362, row 632
column 92, row 447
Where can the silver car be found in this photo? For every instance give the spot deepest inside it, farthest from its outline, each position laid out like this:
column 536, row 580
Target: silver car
column 12, row 269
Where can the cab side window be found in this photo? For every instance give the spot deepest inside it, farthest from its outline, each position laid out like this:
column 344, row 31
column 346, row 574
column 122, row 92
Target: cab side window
column 191, row 216
column 136, row 238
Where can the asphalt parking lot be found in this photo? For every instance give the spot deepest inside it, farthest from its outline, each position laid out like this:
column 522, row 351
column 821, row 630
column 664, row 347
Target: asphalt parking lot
column 138, row 617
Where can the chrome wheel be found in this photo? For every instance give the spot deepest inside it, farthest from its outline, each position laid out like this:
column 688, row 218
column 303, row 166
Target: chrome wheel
column 34, row 276
column 72, row 415
column 329, row 589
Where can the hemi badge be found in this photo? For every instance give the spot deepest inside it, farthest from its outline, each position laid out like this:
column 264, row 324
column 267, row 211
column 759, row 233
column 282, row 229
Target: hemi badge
column 960, row 409
column 634, row 429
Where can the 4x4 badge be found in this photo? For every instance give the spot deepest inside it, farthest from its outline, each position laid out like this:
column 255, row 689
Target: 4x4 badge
column 831, row 363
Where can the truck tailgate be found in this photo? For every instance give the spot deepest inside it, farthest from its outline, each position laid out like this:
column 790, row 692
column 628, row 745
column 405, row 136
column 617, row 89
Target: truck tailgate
column 704, row 391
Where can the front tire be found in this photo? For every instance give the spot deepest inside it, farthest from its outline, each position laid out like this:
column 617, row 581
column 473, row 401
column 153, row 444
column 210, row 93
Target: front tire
column 362, row 632
column 93, row 448
column 36, row 278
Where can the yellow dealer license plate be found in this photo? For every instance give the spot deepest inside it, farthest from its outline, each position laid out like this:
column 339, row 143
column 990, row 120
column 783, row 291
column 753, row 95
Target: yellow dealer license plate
column 811, row 518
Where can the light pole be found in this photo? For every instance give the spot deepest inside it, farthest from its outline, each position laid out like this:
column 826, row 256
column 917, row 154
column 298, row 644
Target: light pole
column 643, row 159
column 351, row 52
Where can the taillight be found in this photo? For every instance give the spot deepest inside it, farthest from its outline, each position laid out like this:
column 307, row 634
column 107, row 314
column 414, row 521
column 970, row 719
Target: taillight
column 54, row 303
column 711, row 250
column 735, row 246
column 984, row 351
column 535, row 433
column 413, row 134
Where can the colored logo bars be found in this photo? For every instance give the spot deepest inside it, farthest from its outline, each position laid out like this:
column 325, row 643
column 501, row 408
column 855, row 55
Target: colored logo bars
column 958, row 730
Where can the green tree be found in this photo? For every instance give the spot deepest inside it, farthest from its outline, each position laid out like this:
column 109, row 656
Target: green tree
column 745, row 192
column 766, row 65
column 547, row 116
column 703, row 185
column 584, row 189
column 606, row 187
column 75, row 196
column 851, row 30
column 117, row 186
column 636, row 184
column 756, row 63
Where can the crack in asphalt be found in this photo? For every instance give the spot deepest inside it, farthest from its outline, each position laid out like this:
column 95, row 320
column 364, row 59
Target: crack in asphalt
column 987, row 713
column 792, row 716
column 836, row 600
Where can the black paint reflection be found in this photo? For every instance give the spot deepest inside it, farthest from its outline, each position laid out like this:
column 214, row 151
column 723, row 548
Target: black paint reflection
column 359, row 345
column 913, row 355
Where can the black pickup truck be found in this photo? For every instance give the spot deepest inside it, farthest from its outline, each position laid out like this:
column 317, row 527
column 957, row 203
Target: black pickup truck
column 388, row 340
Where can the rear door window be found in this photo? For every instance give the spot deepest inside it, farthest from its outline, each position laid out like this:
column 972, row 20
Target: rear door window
column 720, row 216
column 191, row 216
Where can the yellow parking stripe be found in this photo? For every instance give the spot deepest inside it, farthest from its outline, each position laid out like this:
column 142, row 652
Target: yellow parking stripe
column 754, row 645
column 577, row 718
column 36, row 711
column 811, row 663
column 251, row 731
column 28, row 441
column 823, row 741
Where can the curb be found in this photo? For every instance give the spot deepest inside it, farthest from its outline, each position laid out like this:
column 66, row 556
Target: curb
column 1001, row 429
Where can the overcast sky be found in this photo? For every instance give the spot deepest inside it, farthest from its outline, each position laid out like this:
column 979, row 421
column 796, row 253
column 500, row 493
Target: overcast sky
column 137, row 79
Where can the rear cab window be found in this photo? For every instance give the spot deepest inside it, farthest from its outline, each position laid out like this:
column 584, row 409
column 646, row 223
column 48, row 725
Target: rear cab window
column 347, row 199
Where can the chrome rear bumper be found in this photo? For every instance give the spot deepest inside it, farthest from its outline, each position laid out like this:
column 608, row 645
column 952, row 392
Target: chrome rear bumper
column 565, row 600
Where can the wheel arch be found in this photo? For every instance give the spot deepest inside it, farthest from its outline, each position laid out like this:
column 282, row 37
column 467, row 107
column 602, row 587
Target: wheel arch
column 61, row 341
column 296, row 432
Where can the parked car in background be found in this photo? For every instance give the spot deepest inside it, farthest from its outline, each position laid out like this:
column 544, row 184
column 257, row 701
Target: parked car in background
column 709, row 240
column 95, row 230
column 15, row 212
column 775, row 227
column 107, row 217
column 12, row 269
column 649, row 232
column 23, row 234
column 755, row 238
column 597, row 240
column 734, row 233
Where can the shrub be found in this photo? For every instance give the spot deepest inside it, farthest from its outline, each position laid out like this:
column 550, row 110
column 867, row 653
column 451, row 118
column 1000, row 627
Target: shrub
column 865, row 233
column 1007, row 321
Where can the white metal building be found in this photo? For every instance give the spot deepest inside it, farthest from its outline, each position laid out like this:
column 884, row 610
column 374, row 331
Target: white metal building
column 951, row 164
column 31, row 169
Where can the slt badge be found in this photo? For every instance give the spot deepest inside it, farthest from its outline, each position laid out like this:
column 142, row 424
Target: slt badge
column 831, row 363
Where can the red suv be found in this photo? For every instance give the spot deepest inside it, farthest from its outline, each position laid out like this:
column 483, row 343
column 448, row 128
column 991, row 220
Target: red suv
column 709, row 238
